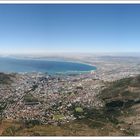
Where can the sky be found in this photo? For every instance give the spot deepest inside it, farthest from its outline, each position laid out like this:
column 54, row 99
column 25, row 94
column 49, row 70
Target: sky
column 72, row 28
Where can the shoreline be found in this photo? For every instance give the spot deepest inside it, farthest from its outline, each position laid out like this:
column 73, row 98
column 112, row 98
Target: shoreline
column 55, row 60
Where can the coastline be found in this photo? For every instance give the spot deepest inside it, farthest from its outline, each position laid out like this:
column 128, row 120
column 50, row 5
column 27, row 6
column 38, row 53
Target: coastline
column 54, row 59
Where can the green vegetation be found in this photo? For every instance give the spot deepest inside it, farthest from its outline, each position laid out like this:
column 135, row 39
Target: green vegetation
column 34, row 87
column 2, row 106
column 10, row 131
column 30, row 123
column 79, row 109
column 5, row 78
column 30, row 98
column 124, row 90
column 58, row 117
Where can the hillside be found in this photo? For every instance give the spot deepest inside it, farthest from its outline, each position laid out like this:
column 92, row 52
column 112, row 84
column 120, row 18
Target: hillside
column 6, row 78
column 122, row 102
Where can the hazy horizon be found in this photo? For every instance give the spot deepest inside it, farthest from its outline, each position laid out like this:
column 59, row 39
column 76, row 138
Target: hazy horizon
column 69, row 54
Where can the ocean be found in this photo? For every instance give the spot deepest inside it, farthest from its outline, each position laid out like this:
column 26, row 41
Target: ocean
column 9, row 65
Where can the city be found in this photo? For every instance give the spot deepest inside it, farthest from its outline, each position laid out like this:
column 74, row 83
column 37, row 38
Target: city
column 69, row 69
column 60, row 99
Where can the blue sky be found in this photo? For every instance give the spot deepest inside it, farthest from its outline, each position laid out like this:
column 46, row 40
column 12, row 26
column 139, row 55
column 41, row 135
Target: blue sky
column 69, row 28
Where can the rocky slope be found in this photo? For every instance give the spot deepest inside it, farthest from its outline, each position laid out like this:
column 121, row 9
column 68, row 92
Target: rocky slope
column 122, row 103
